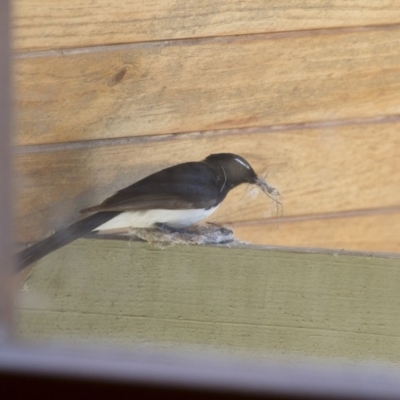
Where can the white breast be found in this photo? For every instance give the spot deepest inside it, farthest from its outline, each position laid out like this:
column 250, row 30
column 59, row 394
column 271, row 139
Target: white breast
column 147, row 219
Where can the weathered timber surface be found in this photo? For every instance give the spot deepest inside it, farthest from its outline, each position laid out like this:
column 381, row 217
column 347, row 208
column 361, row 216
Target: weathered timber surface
column 371, row 230
column 206, row 84
column 249, row 300
column 46, row 24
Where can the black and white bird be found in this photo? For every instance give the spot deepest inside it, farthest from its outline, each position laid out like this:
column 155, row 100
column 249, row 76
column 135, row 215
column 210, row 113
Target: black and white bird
column 176, row 197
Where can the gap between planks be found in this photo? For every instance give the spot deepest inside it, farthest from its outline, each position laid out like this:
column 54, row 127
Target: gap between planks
column 206, row 39
column 95, row 143
column 319, row 216
column 256, row 247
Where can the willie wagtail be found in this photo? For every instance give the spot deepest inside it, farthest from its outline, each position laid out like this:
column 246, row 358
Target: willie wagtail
column 177, row 197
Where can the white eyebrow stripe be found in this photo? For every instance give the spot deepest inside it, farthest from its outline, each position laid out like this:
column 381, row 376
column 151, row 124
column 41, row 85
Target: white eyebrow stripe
column 243, row 163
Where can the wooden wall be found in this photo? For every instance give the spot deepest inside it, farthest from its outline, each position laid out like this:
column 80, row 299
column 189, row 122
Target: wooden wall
column 108, row 92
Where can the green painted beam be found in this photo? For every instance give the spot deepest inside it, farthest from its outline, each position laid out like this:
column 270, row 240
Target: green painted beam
column 239, row 299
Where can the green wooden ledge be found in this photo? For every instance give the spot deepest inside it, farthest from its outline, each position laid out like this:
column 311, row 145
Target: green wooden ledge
column 251, row 300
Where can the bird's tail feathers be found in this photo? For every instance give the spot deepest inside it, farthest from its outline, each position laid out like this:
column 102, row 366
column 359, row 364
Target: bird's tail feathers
column 61, row 238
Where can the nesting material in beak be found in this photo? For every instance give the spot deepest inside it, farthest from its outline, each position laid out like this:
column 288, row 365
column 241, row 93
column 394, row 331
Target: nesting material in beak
column 270, row 191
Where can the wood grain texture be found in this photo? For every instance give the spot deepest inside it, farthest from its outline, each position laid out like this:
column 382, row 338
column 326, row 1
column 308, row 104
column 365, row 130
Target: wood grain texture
column 45, row 24
column 229, row 299
column 207, row 84
column 375, row 232
column 318, row 170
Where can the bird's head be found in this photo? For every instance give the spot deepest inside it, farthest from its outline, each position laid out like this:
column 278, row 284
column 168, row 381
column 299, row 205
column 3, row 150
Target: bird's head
column 233, row 169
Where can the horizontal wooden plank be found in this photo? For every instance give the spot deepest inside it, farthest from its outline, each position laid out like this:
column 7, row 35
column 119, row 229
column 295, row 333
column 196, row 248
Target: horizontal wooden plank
column 318, row 170
column 375, row 232
column 245, row 300
column 206, row 84
column 47, row 25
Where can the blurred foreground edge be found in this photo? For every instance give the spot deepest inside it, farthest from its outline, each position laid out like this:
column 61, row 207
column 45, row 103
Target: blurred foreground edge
column 65, row 371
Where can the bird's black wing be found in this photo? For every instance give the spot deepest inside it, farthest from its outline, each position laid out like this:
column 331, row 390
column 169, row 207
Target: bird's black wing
column 184, row 186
